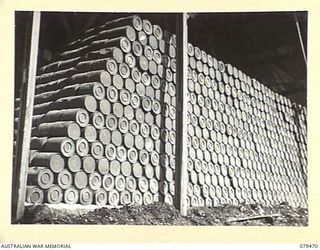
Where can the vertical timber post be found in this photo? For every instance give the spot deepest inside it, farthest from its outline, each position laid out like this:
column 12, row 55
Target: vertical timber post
column 181, row 175
column 300, row 38
column 21, row 163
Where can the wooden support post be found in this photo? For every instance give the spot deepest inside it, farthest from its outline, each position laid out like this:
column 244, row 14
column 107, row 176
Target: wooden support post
column 21, row 163
column 181, row 174
column 300, row 38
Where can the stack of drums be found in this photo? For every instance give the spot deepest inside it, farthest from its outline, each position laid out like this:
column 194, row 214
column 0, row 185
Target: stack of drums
column 104, row 126
column 104, row 119
column 300, row 114
column 241, row 138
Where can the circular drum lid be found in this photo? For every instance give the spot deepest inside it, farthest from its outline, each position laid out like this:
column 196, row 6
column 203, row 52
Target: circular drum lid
column 149, row 171
column 136, row 75
column 116, row 138
column 35, row 195
column 143, row 63
column 123, row 125
column 74, row 163
column 128, row 140
column 137, row 48
column 71, row 196
column 90, row 103
column 125, row 197
column 153, row 68
column 86, row 196
column 131, row 183
column 97, row 150
column 125, row 97
column 132, row 155
column 124, row 70
column 114, row 167
column 110, row 152
column 88, row 164
column 112, row 66
column 112, row 94
column 126, row 168
column 137, row 170
column 104, row 107
column 145, row 130
column 157, row 57
column 146, row 104
column 144, row 157
column 95, row 181
column 149, row 144
column 103, row 166
column 137, row 23
column 67, row 147
column 145, row 79
column 98, row 91
column 137, row 197
column 120, row 183
column 54, row 195
column 64, row 179
column 121, row 153
column 141, row 89
column 117, row 109
column 111, row 122
column 125, row 44
column 80, row 179
column 154, row 158
column 147, row 198
column 82, row 147
column 154, row 185
column 114, row 198
column 82, row 117
column 130, row 60
column 100, row 197
column 139, row 142
column 90, row 134
column 108, row 182
column 143, row 184
column 45, row 178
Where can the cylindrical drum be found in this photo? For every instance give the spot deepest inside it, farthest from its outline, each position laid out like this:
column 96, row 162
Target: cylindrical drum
column 58, row 129
column 80, row 179
column 95, row 181
column 96, row 150
column 74, row 163
column 53, row 161
column 64, row 179
column 125, row 197
column 90, row 133
column 82, row 147
column 71, row 196
column 113, row 198
column 88, row 164
column 40, row 176
column 34, row 195
column 64, row 145
column 98, row 120
column 137, row 197
column 103, row 166
column 100, row 197
column 108, row 182
column 54, row 195
column 86, row 196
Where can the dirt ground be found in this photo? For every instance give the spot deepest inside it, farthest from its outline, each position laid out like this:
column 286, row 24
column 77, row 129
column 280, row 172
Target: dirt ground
column 164, row 214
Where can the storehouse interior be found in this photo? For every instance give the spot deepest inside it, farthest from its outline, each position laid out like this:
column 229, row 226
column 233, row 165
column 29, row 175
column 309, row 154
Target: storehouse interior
column 92, row 142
